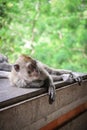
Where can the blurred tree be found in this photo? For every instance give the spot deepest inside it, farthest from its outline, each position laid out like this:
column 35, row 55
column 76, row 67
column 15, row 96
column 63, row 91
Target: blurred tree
column 52, row 31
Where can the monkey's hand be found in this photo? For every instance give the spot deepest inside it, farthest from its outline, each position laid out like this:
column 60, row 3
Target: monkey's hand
column 72, row 77
column 76, row 77
column 51, row 92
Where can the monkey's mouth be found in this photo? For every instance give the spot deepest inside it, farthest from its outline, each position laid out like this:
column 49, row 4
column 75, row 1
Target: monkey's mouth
column 32, row 84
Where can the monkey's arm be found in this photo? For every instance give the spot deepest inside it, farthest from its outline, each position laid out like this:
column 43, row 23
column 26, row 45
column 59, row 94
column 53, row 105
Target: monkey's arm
column 57, row 78
column 48, row 82
column 63, row 74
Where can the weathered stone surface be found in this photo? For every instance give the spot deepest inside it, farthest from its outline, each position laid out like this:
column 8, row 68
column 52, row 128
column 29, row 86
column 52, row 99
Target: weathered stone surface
column 28, row 109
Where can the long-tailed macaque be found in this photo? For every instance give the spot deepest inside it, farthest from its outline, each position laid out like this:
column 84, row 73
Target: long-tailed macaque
column 28, row 72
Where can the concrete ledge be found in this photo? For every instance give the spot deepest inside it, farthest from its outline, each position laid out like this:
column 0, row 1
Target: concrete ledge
column 28, row 109
column 10, row 95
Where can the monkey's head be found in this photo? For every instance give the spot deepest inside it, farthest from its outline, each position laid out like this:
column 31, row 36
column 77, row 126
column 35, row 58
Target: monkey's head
column 24, row 71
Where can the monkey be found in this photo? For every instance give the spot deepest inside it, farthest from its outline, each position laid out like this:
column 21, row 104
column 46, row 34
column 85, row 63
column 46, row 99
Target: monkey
column 28, row 72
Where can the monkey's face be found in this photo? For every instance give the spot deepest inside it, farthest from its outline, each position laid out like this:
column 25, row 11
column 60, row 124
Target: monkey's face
column 24, row 71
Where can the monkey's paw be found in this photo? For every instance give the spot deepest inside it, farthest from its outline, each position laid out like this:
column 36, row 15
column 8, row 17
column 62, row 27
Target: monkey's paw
column 77, row 78
column 51, row 93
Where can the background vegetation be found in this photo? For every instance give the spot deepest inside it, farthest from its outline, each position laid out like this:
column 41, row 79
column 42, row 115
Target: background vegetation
column 53, row 31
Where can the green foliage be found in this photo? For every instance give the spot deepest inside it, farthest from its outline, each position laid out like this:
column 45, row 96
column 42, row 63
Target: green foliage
column 52, row 31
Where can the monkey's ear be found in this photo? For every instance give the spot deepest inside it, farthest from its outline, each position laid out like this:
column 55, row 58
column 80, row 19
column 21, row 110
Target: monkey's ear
column 17, row 67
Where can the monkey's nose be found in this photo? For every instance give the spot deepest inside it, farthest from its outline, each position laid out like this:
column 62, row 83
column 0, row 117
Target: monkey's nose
column 37, row 70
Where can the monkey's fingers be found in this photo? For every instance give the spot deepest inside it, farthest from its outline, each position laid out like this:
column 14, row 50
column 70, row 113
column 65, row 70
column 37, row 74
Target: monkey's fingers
column 78, row 79
column 51, row 95
column 51, row 99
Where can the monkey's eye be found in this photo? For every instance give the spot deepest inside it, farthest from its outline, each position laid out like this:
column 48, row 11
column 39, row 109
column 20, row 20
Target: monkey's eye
column 29, row 72
column 30, row 68
column 17, row 67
